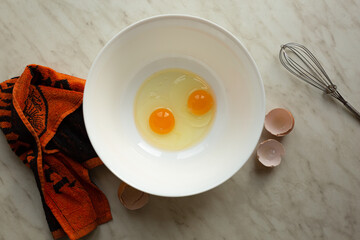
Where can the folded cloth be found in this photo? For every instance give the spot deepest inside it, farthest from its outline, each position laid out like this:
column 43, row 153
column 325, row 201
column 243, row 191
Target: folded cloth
column 41, row 117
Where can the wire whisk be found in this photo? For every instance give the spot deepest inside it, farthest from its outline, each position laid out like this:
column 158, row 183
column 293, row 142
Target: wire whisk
column 299, row 61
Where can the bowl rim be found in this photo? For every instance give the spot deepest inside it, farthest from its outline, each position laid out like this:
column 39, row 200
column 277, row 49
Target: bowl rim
column 204, row 21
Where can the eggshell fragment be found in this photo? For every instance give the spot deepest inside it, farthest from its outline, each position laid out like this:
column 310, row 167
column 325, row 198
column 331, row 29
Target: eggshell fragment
column 132, row 198
column 269, row 153
column 279, row 122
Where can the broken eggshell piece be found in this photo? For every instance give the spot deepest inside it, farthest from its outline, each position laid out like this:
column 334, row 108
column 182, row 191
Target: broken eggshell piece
column 269, row 153
column 132, row 198
column 279, row 122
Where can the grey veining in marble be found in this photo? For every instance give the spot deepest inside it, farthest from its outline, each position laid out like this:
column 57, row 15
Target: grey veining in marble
column 313, row 194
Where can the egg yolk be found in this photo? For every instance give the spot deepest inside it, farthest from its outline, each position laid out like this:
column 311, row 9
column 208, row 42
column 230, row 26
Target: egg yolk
column 162, row 121
column 200, row 102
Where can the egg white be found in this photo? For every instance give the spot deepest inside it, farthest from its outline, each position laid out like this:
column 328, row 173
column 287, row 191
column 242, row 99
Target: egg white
column 170, row 88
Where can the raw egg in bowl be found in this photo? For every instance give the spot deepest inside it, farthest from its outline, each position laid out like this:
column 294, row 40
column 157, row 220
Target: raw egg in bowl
column 174, row 105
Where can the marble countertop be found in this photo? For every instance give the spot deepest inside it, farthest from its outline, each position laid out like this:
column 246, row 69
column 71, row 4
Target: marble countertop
column 313, row 194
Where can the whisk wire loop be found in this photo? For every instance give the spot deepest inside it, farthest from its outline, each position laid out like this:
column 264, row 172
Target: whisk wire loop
column 296, row 69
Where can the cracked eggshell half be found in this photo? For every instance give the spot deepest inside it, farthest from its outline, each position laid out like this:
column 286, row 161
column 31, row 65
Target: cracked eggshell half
column 279, row 122
column 269, row 153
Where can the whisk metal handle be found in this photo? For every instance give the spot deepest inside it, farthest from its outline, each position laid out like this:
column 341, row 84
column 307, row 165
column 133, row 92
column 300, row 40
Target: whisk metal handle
column 347, row 105
column 352, row 109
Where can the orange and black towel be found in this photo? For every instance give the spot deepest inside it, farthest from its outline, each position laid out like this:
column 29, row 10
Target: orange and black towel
column 41, row 117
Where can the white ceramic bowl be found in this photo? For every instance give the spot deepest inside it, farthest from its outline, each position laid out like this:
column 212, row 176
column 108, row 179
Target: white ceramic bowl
column 174, row 41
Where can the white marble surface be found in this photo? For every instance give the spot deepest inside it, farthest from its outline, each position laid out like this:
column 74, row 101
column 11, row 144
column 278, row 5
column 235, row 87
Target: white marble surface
column 313, row 194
